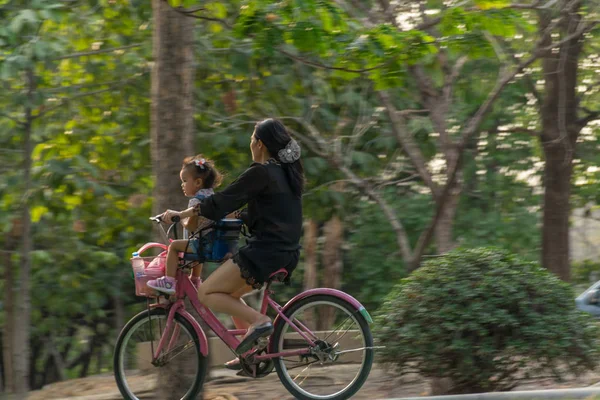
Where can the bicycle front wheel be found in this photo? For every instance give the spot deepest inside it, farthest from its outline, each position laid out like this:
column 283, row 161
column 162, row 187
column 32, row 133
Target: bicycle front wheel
column 180, row 369
column 337, row 366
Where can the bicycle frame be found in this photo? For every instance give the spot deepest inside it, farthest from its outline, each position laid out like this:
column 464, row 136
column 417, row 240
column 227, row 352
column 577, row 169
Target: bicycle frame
column 228, row 336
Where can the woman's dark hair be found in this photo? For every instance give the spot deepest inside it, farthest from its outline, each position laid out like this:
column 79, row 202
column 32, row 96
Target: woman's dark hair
column 275, row 137
column 204, row 169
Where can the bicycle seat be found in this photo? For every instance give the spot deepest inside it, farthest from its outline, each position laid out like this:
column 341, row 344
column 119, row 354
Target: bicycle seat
column 278, row 276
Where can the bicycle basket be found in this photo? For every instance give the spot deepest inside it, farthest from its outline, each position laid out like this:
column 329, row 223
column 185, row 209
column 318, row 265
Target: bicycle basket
column 145, row 269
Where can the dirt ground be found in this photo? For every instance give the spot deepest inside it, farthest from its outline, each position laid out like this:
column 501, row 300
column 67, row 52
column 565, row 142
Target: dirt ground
column 225, row 385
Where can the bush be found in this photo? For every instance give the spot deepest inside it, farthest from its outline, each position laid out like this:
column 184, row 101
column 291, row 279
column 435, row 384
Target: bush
column 484, row 319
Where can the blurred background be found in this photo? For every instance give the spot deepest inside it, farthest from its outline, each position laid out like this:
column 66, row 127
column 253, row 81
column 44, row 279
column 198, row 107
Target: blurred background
column 426, row 126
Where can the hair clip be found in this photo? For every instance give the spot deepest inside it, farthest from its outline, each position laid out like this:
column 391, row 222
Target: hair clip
column 200, row 163
column 290, row 153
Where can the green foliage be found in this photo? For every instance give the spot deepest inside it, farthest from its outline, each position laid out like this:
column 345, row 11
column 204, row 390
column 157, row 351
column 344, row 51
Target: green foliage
column 293, row 59
column 482, row 317
column 582, row 271
column 90, row 174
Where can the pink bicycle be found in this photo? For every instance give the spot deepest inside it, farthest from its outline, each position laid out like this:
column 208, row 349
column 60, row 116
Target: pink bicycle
column 321, row 347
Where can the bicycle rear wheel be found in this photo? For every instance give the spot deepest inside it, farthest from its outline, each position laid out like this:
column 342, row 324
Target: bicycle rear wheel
column 180, row 368
column 341, row 359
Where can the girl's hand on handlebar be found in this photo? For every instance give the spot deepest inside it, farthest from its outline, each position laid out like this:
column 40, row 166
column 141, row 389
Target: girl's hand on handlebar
column 170, row 216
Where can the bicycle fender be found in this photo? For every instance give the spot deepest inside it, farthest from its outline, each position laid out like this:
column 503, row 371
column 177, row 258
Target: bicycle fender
column 332, row 292
column 198, row 329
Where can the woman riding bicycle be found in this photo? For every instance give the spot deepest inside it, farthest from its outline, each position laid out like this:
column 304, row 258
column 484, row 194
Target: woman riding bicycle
column 272, row 188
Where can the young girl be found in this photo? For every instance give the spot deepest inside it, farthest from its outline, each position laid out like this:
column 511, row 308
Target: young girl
column 198, row 178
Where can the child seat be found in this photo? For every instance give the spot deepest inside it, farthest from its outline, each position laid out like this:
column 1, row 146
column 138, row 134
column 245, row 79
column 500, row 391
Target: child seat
column 220, row 240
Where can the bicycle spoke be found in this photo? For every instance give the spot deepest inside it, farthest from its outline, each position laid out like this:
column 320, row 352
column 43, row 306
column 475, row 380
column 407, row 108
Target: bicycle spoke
column 359, row 349
column 183, row 348
column 342, row 324
column 344, row 334
column 307, row 367
column 301, row 365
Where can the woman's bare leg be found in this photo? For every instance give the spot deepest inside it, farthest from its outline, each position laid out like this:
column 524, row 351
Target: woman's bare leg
column 217, row 294
column 239, row 323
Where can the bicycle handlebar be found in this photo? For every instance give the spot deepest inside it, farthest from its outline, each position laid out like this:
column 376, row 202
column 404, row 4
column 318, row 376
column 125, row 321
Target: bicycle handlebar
column 158, row 218
column 175, row 220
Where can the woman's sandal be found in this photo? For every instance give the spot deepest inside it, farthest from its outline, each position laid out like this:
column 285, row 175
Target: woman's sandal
column 258, row 331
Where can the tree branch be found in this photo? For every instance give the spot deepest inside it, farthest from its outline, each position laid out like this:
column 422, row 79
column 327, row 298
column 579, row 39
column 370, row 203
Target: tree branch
column 193, row 10
column 436, row 102
column 452, row 77
column 65, row 100
column 363, row 185
column 592, row 115
column 407, row 141
column 86, row 85
column 192, row 14
column 211, row 19
column 15, row 120
column 428, row 24
column 94, row 52
column 323, row 66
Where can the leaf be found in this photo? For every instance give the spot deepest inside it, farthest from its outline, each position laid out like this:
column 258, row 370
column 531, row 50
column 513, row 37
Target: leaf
column 489, row 4
column 37, row 213
column 72, row 201
column 218, row 9
column 215, row 27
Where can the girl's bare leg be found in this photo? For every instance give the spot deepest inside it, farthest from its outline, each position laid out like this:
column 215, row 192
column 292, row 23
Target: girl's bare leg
column 197, row 270
column 175, row 247
column 167, row 284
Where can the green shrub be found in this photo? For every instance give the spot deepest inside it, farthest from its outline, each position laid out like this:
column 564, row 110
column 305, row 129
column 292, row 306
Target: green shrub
column 484, row 319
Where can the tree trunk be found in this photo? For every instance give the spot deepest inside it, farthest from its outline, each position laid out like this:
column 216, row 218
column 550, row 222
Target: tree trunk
column 9, row 321
column 560, row 129
column 556, row 212
column 172, row 114
column 1, row 365
column 99, row 354
column 332, row 263
column 37, row 352
column 311, row 231
column 23, row 305
column 57, row 360
column 311, row 234
column 87, row 357
column 444, row 240
column 172, row 129
column 119, row 312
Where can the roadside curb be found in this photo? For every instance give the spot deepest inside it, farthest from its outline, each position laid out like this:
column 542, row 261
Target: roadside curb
column 580, row 393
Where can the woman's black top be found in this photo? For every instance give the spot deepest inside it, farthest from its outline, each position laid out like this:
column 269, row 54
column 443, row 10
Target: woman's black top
column 274, row 218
